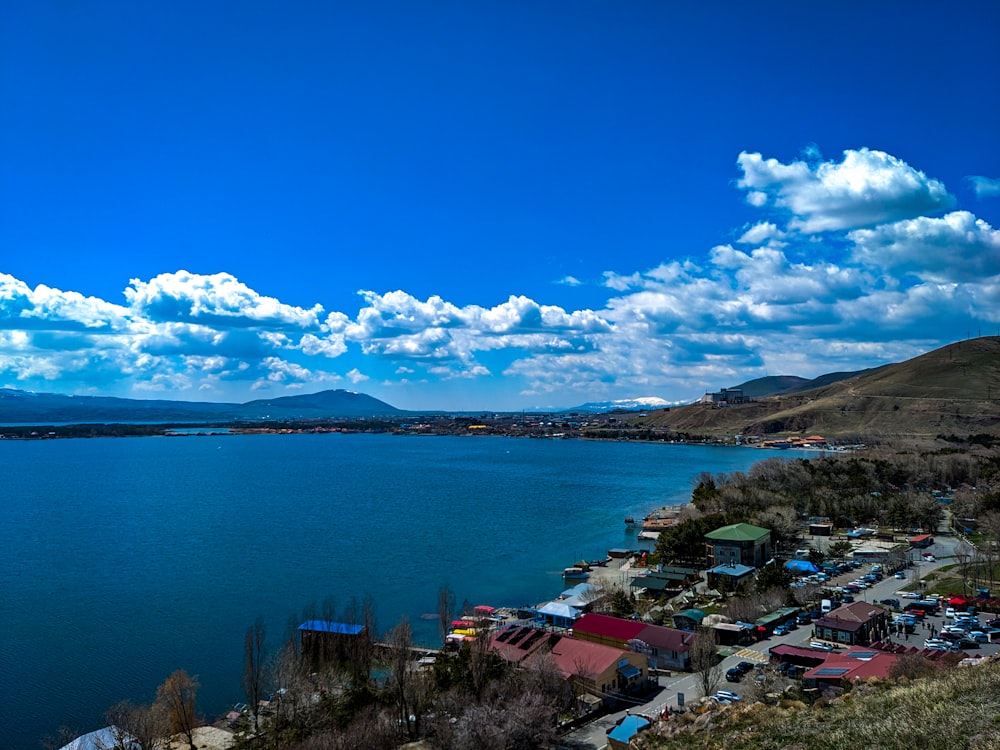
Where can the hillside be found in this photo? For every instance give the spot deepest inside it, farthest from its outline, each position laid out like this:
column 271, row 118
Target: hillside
column 951, row 390
column 957, row 708
column 22, row 407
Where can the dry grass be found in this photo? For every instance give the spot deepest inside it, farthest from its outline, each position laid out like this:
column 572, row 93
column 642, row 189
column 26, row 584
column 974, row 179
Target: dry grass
column 958, row 709
column 953, row 390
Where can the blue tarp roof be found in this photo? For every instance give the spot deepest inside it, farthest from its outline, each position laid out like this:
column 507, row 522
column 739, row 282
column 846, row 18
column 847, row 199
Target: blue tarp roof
column 802, row 566
column 628, row 728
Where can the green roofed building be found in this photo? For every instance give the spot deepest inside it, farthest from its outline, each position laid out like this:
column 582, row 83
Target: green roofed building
column 738, row 544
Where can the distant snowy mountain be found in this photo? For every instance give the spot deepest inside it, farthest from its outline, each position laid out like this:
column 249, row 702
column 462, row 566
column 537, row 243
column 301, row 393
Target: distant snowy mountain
column 628, row 404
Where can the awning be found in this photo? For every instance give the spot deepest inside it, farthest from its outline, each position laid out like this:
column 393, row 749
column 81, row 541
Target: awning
column 629, row 672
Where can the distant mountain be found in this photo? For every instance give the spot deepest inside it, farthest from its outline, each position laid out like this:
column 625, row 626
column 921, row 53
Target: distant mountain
column 42, row 408
column 951, row 390
column 626, row 404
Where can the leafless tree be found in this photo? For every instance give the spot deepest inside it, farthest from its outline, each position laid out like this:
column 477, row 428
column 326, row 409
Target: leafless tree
column 176, row 697
column 135, row 727
column 705, row 662
column 253, row 668
column 445, row 610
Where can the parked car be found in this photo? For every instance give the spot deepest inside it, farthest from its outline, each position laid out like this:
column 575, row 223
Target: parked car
column 847, row 598
column 734, row 675
column 782, row 630
column 728, row 694
column 967, row 643
column 899, row 574
column 820, row 646
column 910, row 595
column 745, row 666
column 894, row 603
column 979, row 636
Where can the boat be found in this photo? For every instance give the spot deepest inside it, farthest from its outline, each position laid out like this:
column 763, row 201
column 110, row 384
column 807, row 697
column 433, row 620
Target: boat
column 576, row 573
column 630, row 522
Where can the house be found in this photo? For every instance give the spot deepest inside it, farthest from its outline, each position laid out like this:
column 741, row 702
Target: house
column 854, row 624
column 854, row 665
column 739, row 544
column 664, row 648
column 667, row 579
column 600, row 670
column 920, row 541
column 689, row 619
column 730, row 575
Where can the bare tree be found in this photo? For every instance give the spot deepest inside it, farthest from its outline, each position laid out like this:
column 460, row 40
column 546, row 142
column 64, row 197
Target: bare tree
column 705, row 662
column 253, row 668
column 401, row 667
column 135, row 727
column 445, row 610
column 176, row 697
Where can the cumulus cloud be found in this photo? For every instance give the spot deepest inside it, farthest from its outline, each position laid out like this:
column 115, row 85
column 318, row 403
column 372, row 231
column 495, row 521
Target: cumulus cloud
column 955, row 248
column 839, row 245
column 761, row 233
column 984, row 187
column 867, row 187
column 217, row 299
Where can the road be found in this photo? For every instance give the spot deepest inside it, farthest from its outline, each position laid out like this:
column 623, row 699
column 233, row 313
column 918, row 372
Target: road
column 594, row 735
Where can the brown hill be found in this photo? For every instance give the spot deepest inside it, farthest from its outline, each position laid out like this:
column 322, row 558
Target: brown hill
column 952, row 390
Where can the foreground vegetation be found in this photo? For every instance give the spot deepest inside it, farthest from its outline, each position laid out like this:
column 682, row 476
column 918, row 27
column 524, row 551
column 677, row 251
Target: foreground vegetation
column 957, row 709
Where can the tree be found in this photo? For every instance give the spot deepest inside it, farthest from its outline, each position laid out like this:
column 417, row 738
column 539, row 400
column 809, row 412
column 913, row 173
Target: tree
column 840, row 548
column 135, row 727
column 445, row 610
column 176, row 697
column 253, row 668
column 705, row 662
column 773, row 576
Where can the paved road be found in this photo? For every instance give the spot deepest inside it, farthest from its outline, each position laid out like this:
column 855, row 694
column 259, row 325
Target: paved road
column 594, row 735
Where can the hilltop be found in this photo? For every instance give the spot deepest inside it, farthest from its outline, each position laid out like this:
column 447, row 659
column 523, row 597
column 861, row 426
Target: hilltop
column 951, row 390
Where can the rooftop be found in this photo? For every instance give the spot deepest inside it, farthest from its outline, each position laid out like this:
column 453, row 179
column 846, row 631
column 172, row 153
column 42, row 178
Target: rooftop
column 738, row 532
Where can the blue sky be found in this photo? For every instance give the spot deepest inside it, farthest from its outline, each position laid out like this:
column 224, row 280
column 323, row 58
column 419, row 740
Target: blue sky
column 454, row 205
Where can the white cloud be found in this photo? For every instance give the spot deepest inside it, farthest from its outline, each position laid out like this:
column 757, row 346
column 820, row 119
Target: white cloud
column 761, row 233
column 218, row 299
column 984, row 187
column 570, row 281
column 956, row 247
column 849, row 277
column 866, row 188
column 356, row 376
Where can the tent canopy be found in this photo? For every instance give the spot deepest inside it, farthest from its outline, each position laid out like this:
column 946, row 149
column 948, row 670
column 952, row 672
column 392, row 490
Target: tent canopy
column 801, row 566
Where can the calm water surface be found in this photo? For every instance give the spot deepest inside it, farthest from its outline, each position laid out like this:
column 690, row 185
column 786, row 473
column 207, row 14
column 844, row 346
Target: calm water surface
column 122, row 560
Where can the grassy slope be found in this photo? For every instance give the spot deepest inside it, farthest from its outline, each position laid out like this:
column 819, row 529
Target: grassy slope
column 955, row 389
column 958, row 709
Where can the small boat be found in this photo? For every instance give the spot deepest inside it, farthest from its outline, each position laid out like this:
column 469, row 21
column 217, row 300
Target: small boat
column 576, row 573
column 630, row 522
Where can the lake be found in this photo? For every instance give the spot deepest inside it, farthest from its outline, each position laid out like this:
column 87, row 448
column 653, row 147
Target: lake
column 126, row 559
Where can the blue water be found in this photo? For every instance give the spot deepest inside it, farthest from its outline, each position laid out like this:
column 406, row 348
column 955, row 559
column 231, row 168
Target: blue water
column 122, row 560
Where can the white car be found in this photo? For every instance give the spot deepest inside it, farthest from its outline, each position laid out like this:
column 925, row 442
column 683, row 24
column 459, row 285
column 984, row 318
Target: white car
column 909, row 595
column 820, row 646
column 949, row 613
column 728, row 694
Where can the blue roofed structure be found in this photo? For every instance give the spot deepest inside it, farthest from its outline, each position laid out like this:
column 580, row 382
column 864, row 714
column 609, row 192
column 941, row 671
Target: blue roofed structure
column 620, row 737
column 801, row 566
column 329, row 626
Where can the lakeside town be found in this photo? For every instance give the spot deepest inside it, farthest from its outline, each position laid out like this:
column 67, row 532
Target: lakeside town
column 702, row 614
